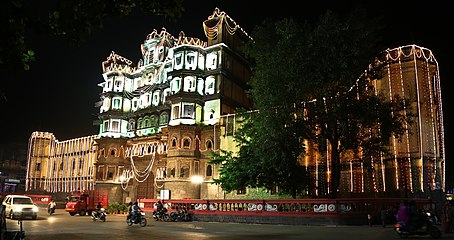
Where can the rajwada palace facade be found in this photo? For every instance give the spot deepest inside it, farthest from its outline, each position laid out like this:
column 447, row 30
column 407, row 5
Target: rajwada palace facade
column 161, row 118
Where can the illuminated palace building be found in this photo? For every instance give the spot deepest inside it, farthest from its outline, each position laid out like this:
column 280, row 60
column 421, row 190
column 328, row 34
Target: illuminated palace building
column 160, row 119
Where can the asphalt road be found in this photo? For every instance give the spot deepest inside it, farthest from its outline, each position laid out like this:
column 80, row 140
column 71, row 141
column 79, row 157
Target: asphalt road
column 63, row 226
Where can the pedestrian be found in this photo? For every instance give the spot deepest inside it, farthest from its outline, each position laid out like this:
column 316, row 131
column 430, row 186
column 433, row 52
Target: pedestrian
column 383, row 214
column 403, row 214
column 449, row 218
column 369, row 219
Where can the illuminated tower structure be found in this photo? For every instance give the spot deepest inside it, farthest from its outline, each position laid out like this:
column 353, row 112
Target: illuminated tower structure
column 416, row 163
column 159, row 120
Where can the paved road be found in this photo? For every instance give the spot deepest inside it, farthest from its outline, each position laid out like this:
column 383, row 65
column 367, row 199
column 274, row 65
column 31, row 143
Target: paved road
column 63, row 226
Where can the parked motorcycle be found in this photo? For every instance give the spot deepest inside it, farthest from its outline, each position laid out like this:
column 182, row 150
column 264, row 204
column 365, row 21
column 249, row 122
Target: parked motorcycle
column 161, row 215
column 180, row 216
column 428, row 227
column 139, row 219
column 99, row 215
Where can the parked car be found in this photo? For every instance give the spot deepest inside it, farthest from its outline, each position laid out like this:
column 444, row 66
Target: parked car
column 20, row 206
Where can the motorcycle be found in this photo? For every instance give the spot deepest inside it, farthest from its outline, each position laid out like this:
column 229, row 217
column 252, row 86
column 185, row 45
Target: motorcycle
column 99, row 215
column 139, row 219
column 51, row 210
column 428, row 227
column 161, row 215
column 180, row 216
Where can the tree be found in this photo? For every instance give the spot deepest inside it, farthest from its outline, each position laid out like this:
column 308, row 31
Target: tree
column 357, row 121
column 257, row 164
column 302, row 90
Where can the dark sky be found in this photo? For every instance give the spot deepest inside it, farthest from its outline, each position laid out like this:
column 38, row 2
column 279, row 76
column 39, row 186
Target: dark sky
column 59, row 93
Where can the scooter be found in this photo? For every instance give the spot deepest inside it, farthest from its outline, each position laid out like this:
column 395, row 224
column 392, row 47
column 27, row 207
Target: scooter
column 139, row 219
column 427, row 228
column 99, row 215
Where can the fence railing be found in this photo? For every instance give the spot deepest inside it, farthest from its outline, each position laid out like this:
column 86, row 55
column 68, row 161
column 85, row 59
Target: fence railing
column 284, row 206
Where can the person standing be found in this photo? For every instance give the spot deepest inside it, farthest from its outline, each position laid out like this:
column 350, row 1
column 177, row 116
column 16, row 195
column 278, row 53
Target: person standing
column 135, row 211
column 383, row 214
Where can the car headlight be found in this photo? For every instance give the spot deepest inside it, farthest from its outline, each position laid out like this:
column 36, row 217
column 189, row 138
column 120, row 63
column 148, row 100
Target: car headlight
column 35, row 209
column 17, row 208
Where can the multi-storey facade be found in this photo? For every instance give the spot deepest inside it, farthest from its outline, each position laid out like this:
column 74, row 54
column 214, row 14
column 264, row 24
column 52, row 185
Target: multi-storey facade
column 60, row 166
column 160, row 119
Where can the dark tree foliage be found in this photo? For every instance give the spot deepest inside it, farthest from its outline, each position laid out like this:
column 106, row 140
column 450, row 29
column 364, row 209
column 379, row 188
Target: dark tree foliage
column 249, row 168
column 71, row 19
column 307, row 86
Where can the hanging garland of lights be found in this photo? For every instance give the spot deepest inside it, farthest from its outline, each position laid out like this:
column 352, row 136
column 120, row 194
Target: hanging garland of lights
column 139, row 175
column 156, row 183
column 142, row 174
column 124, row 179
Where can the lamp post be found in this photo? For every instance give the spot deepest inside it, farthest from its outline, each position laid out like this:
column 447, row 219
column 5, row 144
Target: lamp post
column 198, row 180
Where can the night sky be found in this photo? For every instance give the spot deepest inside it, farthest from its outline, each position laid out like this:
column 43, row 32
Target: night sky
column 59, row 93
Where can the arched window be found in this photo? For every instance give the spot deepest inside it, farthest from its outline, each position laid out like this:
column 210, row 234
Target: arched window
column 142, row 150
column 112, row 152
column 186, row 143
column 209, row 172
column 209, row 144
column 164, row 118
column 131, row 125
column 174, row 142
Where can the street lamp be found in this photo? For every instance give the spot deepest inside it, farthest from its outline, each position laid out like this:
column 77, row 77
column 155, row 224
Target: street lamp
column 198, row 180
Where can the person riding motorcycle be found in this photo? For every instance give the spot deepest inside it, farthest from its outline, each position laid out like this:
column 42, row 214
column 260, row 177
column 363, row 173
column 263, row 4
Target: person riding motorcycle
column 135, row 209
column 98, row 209
column 51, row 206
column 417, row 218
column 403, row 214
column 129, row 210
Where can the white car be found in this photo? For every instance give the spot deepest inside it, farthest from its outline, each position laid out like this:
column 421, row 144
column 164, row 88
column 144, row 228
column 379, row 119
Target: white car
column 20, row 206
